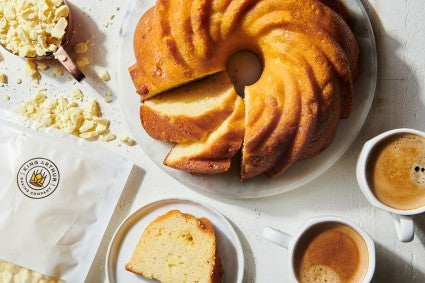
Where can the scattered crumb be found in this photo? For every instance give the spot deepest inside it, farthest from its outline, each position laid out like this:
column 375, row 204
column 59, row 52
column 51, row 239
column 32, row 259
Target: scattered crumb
column 81, row 47
column 127, row 140
column 32, row 71
column 1, row 57
column 103, row 75
column 83, row 61
column 58, row 71
column 108, row 99
column 3, row 78
column 42, row 66
column 18, row 81
column 108, row 137
column 77, row 94
column 7, row 97
column 117, row 8
column 108, row 93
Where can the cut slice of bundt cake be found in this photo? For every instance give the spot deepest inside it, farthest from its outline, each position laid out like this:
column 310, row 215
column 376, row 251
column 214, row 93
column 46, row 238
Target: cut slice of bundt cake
column 189, row 112
column 214, row 153
column 177, row 247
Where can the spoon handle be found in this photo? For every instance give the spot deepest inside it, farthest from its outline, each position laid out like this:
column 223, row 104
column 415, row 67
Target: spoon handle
column 62, row 56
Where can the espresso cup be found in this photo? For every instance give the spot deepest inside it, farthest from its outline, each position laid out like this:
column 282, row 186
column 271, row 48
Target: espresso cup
column 327, row 249
column 391, row 174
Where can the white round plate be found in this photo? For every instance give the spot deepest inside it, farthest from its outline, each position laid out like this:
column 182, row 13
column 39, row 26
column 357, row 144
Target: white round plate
column 126, row 237
column 228, row 184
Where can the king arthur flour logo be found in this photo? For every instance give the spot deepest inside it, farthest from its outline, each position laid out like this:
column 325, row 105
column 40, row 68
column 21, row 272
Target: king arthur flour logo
column 38, row 178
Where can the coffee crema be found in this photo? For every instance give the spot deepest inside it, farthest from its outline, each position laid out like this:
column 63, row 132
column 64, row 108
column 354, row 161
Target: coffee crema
column 331, row 252
column 396, row 171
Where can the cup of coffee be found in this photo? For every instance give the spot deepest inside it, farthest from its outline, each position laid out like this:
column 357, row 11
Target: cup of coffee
column 391, row 174
column 327, row 249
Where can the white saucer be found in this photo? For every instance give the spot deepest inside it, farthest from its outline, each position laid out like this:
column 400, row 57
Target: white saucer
column 127, row 235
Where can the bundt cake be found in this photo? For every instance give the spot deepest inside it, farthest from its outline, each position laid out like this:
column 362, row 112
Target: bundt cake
column 177, row 247
column 309, row 57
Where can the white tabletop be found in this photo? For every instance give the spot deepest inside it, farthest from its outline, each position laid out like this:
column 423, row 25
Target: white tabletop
column 399, row 102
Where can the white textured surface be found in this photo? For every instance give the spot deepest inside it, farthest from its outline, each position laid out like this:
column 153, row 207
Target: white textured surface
column 399, row 102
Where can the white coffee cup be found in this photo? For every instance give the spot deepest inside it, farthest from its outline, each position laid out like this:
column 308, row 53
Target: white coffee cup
column 290, row 242
column 403, row 219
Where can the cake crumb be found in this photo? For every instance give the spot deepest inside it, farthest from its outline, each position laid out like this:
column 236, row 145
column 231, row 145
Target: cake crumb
column 108, row 137
column 127, row 140
column 81, row 47
column 83, row 61
column 31, row 70
column 77, row 94
column 58, row 71
column 103, row 75
column 18, row 81
column 42, row 66
column 3, row 78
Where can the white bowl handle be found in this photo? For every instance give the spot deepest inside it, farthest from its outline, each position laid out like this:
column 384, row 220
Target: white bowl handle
column 277, row 237
column 404, row 227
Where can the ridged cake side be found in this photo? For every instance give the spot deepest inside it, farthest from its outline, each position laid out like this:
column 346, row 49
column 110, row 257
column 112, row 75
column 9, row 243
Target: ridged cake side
column 308, row 52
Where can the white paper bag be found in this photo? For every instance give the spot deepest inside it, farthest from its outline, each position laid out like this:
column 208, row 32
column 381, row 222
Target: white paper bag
column 57, row 195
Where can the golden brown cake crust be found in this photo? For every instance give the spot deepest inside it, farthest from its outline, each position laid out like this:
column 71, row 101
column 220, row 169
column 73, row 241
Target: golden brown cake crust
column 309, row 55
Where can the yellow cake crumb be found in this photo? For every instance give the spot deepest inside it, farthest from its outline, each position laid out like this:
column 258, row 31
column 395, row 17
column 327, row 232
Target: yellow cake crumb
column 103, row 75
column 76, row 93
column 81, row 47
column 82, row 61
column 127, row 140
column 58, row 71
column 31, row 70
column 42, row 66
column 3, row 78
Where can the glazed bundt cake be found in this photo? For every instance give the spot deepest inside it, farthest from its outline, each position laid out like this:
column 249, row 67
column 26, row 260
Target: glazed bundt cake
column 177, row 247
column 309, row 57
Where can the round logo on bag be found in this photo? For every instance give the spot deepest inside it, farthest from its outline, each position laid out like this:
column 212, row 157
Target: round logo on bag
column 38, row 178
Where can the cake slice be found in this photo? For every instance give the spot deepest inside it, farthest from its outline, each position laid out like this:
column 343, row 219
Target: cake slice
column 189, row 112
column 213, row 154
column 177, row 247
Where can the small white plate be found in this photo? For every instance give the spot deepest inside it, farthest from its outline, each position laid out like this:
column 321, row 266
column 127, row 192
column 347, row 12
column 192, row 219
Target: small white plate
column 126, row 237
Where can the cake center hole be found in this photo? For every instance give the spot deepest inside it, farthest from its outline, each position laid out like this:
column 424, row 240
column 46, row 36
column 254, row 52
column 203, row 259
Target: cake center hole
column 244, row 68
